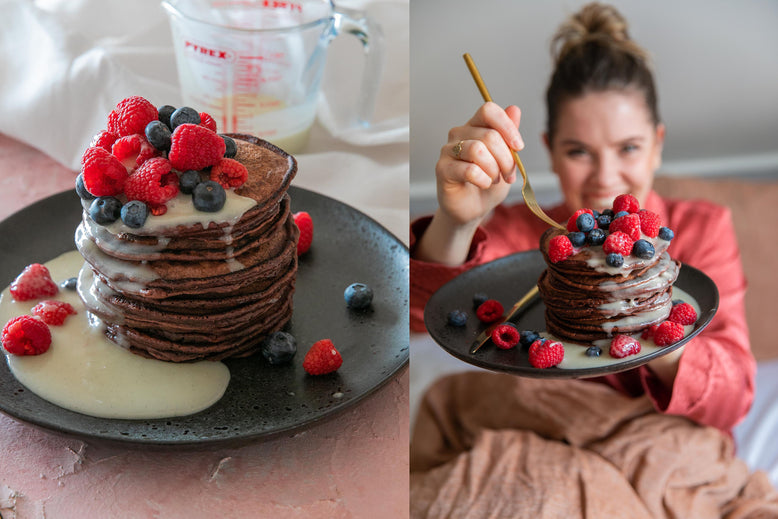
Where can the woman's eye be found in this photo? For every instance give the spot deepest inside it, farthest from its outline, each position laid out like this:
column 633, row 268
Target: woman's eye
column 629, row 148
column 576, row 152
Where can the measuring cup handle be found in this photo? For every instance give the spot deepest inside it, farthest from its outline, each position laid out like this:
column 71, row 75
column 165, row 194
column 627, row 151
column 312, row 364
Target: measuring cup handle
column 357, row 23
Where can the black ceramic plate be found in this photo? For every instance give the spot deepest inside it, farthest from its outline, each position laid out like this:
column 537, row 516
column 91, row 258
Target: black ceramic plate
column 261, row 400
column 509, row 278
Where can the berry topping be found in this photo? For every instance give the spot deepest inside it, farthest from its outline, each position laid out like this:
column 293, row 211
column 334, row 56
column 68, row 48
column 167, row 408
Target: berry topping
column 104, row 139
column 457, row 318
column 131, row 115
column 209, row 196
column 207, row 121
column 69, row 283
column 358, row 296
column 184, row 115
column 617, row 242
column 153, row 182
column 158, row 210
column 546, row 353
column 559, row 248
column 593, row 351
column 188, row 181
column 304, row 222
column 585, row 222
column 596, row 237
column 572, row 225
column 505, row 336
column 577, row 238
column 668, row 333
column 81, row 189
column 231, row 149
column 134, row 214
column 165, row 111
column 229, row 173
column 103, row 174
column 34, row 282
column 527, row 337
column 648, row 333
column 624, row 346
column 649, row 223
column 490, row 311
column 105, row 210
column 626, row 203
column 683, row 314
column 53, row 313
column 614, row 259
column 643, row 249
column 26, row 335
column 322, row 358
column 619, row 215
column 628, row 224
column 666, row 234
column 604, row 221
column 133, row 150
column 194, row 147
column 158, row 134
column 279, row 348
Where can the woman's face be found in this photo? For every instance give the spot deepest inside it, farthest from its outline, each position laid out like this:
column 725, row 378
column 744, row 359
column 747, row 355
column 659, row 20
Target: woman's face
column 605, row 144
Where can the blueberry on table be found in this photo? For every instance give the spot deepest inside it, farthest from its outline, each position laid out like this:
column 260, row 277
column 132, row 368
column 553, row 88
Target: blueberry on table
column 105, row 210
column 134, row 214
column 358, row 296
column 209, row 196
column 457, row 318
column 279, row 348
column 527, row 337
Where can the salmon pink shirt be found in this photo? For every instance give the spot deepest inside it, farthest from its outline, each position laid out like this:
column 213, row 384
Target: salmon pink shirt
column 715, row 381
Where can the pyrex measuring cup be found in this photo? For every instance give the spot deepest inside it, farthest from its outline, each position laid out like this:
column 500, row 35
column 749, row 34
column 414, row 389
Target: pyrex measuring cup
column 255, row 65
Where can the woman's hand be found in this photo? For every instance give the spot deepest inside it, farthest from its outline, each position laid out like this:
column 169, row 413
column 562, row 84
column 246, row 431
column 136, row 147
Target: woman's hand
column 474, row 174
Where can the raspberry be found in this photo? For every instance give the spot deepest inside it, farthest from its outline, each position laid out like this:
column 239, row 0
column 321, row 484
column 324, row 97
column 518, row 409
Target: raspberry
column 26, row 335
column 53, row 313
column 668, row 333
column 648, row 333
column 131, row 115
column 104, row 139
column 544, row 353
column 207, row 121
column 627, row 203
column 34, row 282
column 559, row 248
column 153, row 183
column 322, row 358
column 505, row 336
column 649, row 223
column 158, row 210
column 624, row 346
column 617, row 242
column 133, row 150
column 103, row 174
column 195, row 147
column 683, row 314
column 305, row 224
column 490, row 311
column 571, row 222
column 229, row 173
column 629, row 225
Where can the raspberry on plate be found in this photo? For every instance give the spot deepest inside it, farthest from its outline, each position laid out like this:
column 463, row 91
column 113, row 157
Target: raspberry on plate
column 195, row 147
column 505, row 336
column 490, row 311
column 131, row 115
column 153, row 182
column 103, row 174
column 53, row 312
column 624, row 346
column 304, row 222
column 668, row 333
column 626, row 202
column 545, row 353
column 26, row 335
column 34, row 282
column 683, row 314
column 618, row 242
column 229, row 173
column 322, row 358
column 559, row 248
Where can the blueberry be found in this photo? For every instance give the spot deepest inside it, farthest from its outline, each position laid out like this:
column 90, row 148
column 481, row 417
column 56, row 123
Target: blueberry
column 577, row 238
column 165, row 111
column 184, row 115
column 105, row 209
column 643, row 249
column 279, row 348
column 607, row 212
column 188, row 181
column 614, row 259
column 527, row 337
column 134, row 214
column 479, row 299
column 81, row 189
column 593, row 351
column 619, row 215
column 585, row 222
column 596, row 237
column 158, row 135
column 69, row 283
column 231, row 148
column 457, row 318
column 209, row 196
column 666, row 234
column 678, row 301
column 604, row 221
column 358, row 296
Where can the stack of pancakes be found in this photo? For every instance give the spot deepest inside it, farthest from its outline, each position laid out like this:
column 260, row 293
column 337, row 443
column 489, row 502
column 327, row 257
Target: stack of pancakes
column 199, row 289
column 586, row 300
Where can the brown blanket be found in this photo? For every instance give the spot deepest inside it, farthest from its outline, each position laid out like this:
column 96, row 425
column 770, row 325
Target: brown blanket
column 488, row 445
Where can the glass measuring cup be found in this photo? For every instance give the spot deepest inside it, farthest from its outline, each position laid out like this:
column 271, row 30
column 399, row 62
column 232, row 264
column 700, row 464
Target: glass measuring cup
column 256, row 65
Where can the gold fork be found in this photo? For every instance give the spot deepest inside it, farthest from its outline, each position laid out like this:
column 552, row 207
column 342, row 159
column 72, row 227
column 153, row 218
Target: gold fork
column 526, row 190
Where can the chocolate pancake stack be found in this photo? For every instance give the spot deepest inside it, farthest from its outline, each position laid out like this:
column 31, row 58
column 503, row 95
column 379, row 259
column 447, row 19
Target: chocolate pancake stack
column 587, row 300
column 193, row 285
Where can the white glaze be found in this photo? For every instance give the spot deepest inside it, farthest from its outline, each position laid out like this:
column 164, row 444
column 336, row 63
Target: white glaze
column 85, row 372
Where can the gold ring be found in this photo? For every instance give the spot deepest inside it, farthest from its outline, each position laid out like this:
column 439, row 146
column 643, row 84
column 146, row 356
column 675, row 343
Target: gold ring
column 458, row 149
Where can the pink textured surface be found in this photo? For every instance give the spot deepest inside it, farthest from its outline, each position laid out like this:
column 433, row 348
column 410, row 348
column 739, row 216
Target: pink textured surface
column 354, row 465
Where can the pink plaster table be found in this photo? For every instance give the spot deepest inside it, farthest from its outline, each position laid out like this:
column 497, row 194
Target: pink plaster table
column 353, row 465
